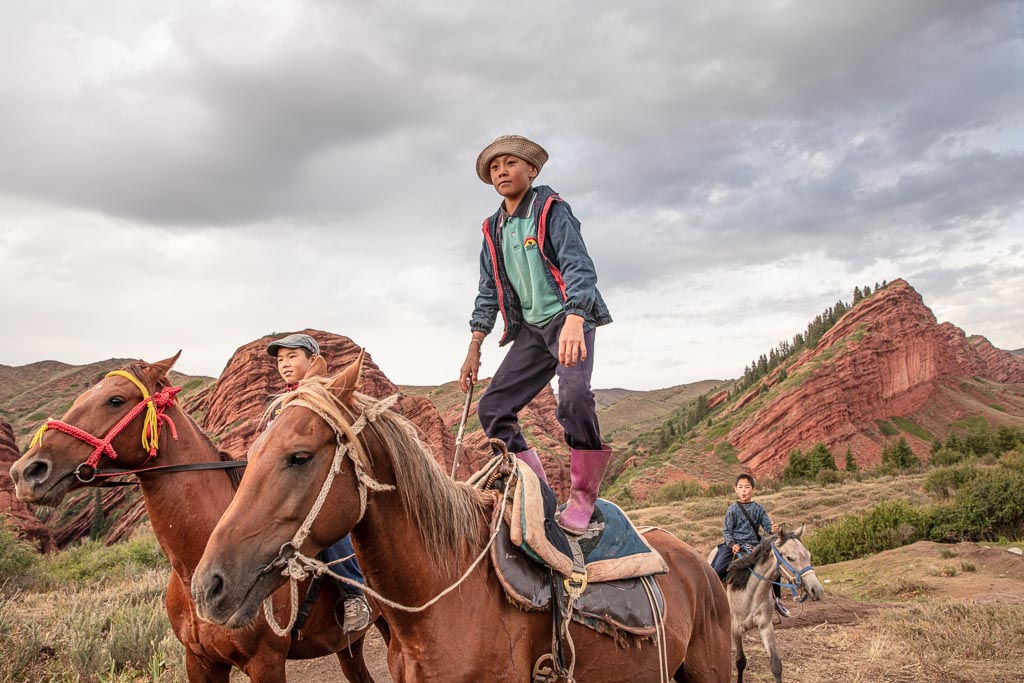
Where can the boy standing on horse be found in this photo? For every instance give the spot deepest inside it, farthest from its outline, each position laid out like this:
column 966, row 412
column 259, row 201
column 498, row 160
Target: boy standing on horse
column 535, row 269
column 744, row 521
column 295, row 354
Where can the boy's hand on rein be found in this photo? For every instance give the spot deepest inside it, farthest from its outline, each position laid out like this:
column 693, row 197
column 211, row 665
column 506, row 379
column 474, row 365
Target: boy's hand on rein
column 571, row 347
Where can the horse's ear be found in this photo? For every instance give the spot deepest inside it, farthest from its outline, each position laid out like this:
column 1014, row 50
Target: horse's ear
column 800, row 531
column 318, row 368
column 347, row 381
column 157, row 372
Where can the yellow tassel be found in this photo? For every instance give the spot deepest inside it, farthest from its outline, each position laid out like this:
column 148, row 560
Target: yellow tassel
column 37, row 440
column 150, row 426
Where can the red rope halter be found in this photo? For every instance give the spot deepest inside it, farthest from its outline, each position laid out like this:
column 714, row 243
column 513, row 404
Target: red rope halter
column 156, row 404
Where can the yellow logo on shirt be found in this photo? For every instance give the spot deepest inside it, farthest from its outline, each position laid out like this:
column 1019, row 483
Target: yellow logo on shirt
column 530, row 243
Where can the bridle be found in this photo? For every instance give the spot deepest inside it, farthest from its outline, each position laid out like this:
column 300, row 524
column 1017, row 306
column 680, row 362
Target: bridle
column 292, row 563
column 793, row 577
column 154, row 406
column 290, row 560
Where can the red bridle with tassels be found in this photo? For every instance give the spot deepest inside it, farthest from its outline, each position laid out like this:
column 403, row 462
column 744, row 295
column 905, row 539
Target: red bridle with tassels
column 155, row 405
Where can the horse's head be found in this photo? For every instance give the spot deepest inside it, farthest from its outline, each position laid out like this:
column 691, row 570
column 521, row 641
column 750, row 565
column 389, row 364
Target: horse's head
column 107, row 422
column 286, row 479
column 794, row 563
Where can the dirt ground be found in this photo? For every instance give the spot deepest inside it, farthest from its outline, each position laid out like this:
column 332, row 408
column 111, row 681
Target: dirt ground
column 925, row 612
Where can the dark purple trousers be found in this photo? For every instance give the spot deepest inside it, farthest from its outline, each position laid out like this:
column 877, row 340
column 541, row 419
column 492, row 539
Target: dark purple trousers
column 531, row 362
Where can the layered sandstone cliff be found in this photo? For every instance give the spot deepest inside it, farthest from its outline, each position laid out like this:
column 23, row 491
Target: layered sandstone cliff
column 886, row 357
column 19, row 515
column 233, row 406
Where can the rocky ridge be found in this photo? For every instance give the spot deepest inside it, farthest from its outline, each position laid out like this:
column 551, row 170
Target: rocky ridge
column 884, row 358
column 19, row 514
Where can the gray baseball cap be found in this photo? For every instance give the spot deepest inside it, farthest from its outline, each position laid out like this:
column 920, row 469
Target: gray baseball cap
column 294, row 341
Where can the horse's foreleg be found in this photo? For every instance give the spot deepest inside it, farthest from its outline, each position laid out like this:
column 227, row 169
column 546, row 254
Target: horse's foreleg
column 767, row 632
column 741, row 657
column 200, row 670
column 353, row 665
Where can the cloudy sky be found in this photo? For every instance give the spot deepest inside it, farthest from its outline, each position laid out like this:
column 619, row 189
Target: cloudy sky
column 194, row 175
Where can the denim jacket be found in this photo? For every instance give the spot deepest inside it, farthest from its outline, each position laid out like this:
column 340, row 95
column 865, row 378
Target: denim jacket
column 570, row 272
column 736, row 528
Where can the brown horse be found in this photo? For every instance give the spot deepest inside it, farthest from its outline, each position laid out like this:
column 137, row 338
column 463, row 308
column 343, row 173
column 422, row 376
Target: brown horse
column 183, row 508
column 416, row 532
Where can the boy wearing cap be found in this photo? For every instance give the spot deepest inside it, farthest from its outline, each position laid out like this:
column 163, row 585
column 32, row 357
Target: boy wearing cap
column 535, row 270
column 295, row 354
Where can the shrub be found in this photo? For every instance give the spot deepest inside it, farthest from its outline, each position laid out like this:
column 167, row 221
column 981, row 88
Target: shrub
column 886, row 428
column 806, row 466
column 851, row 462
column 18, row 557
column 945, row 456
column 826, row 477
column 91, row 560
column 899, row 456
column 988, row 506
column 678, row 490
column 885, row 526
column 944, row 482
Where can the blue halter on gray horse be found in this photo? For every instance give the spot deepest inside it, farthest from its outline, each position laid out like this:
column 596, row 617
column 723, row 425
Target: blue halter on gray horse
column 780, row 560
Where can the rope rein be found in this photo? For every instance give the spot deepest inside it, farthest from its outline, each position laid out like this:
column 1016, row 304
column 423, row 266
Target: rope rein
column 297, row 566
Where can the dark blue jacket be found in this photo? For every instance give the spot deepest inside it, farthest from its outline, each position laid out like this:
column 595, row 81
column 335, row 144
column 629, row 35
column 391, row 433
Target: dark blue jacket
column 570, row 271
column 738, row 530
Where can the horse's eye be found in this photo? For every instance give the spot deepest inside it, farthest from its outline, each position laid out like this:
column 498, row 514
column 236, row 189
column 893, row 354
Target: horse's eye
column 299, row 459
column 115, row 401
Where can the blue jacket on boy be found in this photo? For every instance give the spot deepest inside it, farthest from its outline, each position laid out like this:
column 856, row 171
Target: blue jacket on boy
column 737, row 529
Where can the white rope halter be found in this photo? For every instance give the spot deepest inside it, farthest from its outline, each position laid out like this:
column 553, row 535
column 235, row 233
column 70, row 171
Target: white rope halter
column 297, row 566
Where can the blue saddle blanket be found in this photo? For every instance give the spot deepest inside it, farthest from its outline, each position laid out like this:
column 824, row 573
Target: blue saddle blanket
column 612, row 548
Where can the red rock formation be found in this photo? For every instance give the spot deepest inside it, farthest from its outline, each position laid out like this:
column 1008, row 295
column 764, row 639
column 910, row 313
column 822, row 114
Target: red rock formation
column 886, row 357
column 234, row 405
column 540, row 427
column 718, row 399
column 19, row 514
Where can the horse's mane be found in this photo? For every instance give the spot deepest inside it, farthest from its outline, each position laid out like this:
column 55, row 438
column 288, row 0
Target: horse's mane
column 742, row 568
column 445, row 512
column 235, row 474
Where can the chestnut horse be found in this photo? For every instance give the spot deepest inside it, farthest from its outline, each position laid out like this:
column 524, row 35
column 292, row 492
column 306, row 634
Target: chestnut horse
column 416, row 532
column 183, row 508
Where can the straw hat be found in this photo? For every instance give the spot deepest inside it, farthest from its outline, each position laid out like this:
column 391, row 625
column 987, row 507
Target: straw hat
column 517, row 146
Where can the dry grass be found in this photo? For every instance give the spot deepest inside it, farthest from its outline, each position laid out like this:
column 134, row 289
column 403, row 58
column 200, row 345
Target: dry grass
column 698, row 521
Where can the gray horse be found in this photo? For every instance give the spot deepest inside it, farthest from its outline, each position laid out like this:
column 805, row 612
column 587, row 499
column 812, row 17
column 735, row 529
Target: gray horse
column 778, row 558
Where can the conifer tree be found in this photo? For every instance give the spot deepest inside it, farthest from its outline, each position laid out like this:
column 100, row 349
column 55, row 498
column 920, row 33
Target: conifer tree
column 851, row 462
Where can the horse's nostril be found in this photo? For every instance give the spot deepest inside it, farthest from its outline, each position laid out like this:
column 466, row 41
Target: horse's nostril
column 37, row 472
column 214, row 587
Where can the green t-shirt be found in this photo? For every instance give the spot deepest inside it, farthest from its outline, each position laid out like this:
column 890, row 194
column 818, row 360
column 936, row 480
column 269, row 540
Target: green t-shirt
column 525, row 265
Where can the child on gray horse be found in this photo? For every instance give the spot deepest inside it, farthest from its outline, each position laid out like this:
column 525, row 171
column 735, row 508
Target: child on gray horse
column 743, row 520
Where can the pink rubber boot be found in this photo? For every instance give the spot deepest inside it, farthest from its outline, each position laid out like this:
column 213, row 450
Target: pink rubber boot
column 531, row 458
column 586, row 469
